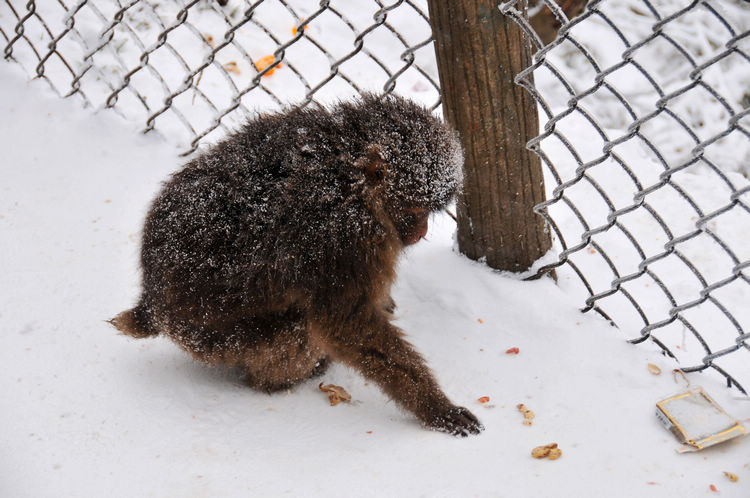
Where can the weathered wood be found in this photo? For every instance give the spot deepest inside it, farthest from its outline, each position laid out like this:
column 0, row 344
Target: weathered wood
column 479, row 51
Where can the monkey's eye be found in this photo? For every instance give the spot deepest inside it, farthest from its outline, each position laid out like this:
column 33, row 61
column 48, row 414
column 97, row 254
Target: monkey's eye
column 416, row 213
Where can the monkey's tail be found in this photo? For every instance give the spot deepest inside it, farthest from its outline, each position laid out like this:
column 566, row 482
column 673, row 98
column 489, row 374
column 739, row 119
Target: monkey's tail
column 135, row 323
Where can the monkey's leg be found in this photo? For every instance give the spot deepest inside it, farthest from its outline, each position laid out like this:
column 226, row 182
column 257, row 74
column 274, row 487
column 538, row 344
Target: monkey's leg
column 366, row 340
column 284, row 356
column 274, row 351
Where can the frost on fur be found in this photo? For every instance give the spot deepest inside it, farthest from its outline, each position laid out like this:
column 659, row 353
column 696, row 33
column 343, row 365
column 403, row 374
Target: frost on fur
column 275, row 250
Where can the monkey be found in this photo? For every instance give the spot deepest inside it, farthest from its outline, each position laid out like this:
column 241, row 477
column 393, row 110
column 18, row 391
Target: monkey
column 275, row 249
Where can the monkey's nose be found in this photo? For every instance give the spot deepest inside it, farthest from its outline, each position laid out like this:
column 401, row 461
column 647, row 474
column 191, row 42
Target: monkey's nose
column 418, row 234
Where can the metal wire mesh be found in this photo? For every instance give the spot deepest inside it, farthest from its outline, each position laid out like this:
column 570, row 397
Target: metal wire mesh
column 647, row 156
column 195, row 68
column 646, row 139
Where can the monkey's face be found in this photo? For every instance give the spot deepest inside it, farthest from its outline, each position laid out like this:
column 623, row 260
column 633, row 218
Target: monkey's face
column 411, row 224
column 423, row 157
column 415, row 158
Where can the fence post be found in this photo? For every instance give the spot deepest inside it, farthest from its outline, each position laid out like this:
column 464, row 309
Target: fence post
column 479, row 51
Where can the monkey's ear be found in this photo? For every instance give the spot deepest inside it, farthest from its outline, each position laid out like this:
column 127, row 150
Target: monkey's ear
column 374, row 165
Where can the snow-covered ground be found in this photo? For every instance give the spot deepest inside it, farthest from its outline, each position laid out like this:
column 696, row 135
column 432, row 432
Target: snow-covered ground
column 87, row 412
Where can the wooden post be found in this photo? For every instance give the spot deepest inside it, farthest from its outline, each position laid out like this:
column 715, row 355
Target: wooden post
column 479, row 51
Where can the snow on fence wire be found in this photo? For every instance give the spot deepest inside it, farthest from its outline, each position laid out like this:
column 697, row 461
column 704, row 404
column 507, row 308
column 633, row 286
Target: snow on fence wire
column 645, row 145
column 194, row 68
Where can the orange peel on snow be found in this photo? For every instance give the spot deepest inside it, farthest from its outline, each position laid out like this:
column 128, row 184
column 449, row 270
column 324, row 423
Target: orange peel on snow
column 266, row 61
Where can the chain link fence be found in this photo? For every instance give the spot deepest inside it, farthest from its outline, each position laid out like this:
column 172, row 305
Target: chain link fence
column 647, row 153
column 645, row 143
column 194, row 69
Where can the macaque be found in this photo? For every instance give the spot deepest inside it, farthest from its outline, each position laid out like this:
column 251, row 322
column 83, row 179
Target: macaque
column 274, row 251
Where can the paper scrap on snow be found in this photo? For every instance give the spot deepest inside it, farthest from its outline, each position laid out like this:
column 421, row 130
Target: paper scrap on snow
column 697, row 420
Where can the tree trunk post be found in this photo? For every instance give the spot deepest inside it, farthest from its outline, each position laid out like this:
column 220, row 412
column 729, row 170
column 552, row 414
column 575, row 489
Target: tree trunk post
column 479, row 51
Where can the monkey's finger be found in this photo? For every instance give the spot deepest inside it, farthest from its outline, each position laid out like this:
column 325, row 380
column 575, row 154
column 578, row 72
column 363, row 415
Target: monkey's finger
column 452, row 428
column 458, row 421
column 463, row 427
column 465, row 413
column 469, row 421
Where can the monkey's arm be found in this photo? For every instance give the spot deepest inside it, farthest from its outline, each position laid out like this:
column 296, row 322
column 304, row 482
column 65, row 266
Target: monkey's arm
column 364, row 339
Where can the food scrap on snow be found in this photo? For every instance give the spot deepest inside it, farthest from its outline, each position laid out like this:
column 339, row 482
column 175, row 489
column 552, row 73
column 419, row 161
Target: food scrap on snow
column 655, row 370
column 336, row 394
column 232, row 67
column 731, row 476
column 294, row 28
column 550, row 451
column 528, row 415
column 266, row 61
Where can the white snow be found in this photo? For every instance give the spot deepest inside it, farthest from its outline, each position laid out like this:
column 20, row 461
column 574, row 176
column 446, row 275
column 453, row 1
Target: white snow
column 87, row 412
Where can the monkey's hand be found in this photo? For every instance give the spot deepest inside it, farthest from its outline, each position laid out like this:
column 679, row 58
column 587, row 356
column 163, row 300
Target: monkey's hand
column 364, row 338
column 457, row 421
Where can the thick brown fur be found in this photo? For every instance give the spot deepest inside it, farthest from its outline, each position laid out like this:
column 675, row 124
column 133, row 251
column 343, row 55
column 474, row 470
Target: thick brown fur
column 275, row 250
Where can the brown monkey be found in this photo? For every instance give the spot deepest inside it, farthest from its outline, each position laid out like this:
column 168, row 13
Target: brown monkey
column 275, row 250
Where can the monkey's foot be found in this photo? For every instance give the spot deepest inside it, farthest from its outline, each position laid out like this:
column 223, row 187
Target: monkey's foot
column 284, row 380
column 457, row 421
column 269, row 386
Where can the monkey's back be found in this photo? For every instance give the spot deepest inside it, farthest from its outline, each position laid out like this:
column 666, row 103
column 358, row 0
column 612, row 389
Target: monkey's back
column 272, row 210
